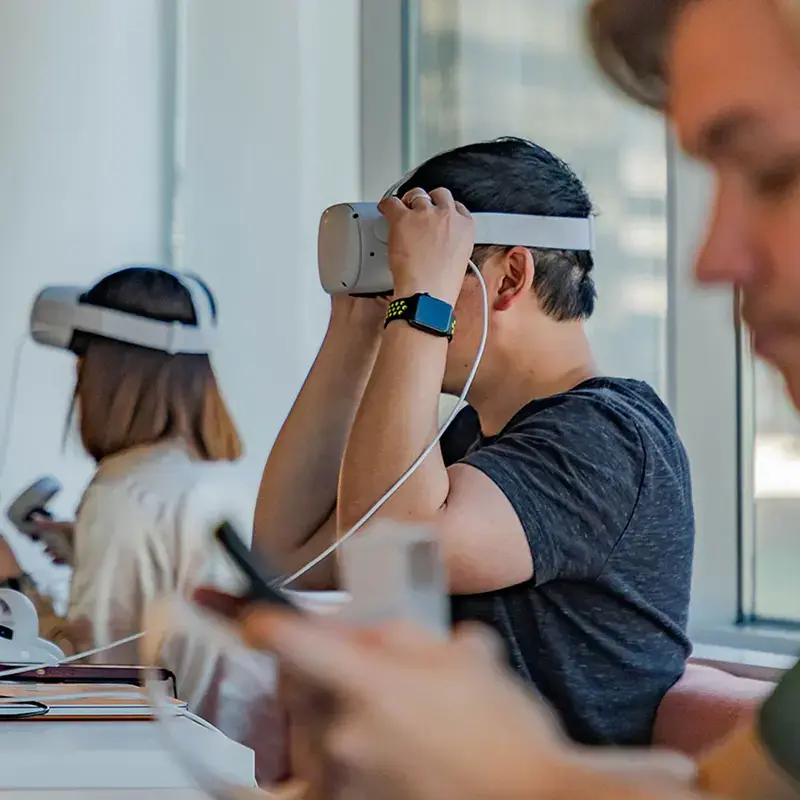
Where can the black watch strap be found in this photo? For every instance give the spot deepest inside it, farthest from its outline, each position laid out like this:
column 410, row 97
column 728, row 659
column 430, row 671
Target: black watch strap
column 425, row 313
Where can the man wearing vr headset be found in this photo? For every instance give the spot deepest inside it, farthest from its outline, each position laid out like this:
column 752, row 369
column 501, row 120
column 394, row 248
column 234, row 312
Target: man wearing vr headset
column 561, row 498
column 389, row 733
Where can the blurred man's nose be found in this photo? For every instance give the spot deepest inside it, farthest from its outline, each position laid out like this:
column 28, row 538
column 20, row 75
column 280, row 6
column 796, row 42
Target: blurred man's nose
column 728, row 254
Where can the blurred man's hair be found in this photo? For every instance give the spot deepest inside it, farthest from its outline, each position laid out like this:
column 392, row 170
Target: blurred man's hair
column 629, row 40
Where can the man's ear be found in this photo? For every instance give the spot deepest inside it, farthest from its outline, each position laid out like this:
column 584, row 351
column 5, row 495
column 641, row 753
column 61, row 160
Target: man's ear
column 516, row 279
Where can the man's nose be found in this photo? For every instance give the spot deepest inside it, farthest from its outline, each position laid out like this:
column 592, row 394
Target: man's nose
column 728, row 255
column 733, row 266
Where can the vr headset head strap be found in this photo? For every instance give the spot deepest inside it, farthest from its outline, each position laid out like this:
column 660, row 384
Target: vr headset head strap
column 59, row 312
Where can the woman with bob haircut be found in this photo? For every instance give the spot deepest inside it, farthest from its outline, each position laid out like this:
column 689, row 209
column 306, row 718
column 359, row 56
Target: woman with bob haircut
column 163, row 440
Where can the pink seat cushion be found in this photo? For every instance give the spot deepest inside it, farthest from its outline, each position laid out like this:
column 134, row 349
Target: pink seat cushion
column 704, row 706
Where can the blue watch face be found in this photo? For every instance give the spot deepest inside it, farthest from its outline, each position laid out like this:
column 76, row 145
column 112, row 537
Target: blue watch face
column 433, row 313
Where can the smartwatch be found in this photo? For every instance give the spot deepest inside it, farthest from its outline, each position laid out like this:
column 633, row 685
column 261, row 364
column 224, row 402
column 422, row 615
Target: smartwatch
column 425, row 313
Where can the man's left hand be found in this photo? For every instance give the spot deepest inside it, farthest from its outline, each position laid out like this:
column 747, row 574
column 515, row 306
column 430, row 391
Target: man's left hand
column 431, row 238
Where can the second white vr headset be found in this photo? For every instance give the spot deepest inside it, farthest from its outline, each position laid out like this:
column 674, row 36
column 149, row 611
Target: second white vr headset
column 352, row 243
column 61, row 312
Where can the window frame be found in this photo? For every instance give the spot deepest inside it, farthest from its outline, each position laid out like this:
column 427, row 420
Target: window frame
column 710, row 380
column 706, row 363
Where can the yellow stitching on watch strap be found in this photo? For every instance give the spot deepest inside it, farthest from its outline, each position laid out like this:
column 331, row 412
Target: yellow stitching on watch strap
column 395, row 309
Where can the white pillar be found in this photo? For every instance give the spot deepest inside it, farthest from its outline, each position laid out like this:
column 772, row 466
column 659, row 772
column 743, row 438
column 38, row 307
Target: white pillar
column 83, row 114
column 272, row 121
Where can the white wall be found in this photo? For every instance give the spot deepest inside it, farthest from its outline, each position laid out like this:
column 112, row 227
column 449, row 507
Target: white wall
column 273, row 138
column 81, row 171
column 85, row 168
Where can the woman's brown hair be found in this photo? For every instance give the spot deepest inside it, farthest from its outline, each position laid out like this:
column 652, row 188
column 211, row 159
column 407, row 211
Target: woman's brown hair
column 128, row 396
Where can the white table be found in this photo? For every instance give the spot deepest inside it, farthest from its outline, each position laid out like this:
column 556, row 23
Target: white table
column 124, row 760
column 64, row 759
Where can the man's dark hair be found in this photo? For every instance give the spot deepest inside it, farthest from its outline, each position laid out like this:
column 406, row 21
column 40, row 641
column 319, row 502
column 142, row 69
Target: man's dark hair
column 515, row 176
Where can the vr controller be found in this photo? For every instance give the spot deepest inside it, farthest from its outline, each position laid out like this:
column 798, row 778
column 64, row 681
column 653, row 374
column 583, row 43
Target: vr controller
column 353, row 241
column 32, row 501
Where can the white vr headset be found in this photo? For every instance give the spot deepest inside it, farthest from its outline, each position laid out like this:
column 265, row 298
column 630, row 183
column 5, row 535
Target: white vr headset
column 59, row 313
column 352, row 243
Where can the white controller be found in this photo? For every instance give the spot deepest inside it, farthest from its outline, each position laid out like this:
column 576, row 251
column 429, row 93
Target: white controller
column 32, row 501
column 19, row 632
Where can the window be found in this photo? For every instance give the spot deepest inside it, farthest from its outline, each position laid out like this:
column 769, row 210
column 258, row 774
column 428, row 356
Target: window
column 478, row 70
column 772, row 529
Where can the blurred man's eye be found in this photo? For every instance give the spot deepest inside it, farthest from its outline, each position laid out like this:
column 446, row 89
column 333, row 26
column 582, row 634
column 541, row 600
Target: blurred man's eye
column 779, row 180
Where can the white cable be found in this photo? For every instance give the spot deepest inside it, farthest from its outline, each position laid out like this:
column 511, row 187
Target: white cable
column 203, row 723
column 11, row 401
column 425, row 453
column 69, row 659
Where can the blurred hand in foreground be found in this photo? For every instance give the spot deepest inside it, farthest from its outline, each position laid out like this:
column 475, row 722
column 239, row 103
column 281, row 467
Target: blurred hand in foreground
column 398, row 714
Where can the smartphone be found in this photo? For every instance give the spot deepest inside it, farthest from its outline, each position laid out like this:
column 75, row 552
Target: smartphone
column 263, row 580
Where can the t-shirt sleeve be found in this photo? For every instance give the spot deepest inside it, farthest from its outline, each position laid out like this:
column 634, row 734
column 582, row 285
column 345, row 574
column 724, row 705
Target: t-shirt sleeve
column 573, row 473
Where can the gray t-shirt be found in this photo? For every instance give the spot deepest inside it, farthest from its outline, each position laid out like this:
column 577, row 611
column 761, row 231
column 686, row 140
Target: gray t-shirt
column 600, row 481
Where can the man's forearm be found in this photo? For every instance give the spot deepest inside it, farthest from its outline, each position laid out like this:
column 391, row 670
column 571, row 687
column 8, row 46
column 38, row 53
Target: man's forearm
column 396, row 421
column 298, row 488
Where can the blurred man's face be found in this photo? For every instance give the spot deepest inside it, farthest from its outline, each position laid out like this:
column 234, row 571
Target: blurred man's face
column 735, row 103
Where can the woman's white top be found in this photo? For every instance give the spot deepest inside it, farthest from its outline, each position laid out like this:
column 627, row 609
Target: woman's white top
column 144, row 529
